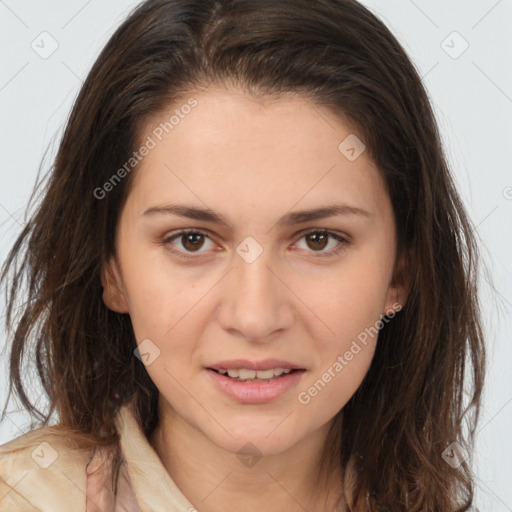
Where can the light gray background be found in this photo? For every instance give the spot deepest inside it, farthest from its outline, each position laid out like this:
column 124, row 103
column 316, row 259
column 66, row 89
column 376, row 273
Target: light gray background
column 472, row 97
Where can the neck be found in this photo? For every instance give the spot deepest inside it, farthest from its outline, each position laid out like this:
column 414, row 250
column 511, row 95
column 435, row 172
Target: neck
column 210, row 477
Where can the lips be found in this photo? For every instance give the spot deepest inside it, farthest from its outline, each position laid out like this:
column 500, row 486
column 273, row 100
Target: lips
column 255, row 382
column 245, row 364
column 255, row 391
column 254, row 375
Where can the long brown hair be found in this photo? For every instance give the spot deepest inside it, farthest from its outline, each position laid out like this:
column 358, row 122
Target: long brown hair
column 391, row 435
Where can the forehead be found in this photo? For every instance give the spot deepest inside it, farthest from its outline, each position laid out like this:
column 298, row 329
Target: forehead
column 232, row 148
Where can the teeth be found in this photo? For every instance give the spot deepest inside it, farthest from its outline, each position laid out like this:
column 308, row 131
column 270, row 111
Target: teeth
column 244, row 374
column 263, row 374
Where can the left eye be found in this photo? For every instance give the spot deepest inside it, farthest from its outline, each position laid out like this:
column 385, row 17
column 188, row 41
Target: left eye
column 317, row 240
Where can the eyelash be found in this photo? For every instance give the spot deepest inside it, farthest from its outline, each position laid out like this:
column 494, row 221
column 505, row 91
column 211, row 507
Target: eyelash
column 333, row 252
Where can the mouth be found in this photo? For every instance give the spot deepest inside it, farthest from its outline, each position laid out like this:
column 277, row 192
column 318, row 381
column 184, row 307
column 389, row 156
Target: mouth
column 265, row 383
column 247, row 375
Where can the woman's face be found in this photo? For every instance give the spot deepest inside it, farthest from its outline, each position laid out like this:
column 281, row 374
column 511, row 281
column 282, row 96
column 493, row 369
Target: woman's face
column 257, row 283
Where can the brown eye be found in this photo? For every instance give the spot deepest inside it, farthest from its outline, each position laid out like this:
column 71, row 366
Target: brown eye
column 187, row 242
column 318, row 241
column 192, row 241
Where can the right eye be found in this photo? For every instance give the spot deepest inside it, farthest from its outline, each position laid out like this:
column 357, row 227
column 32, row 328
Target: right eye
column 190, row 239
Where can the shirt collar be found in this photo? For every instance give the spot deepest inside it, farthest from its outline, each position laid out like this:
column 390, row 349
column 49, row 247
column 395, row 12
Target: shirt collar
column 154, row 488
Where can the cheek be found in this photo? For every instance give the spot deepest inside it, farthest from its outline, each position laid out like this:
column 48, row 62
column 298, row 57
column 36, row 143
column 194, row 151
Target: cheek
column 158, row 297
column 345, row 332
column 329, row 389
column 346, row 304
column 168, row 310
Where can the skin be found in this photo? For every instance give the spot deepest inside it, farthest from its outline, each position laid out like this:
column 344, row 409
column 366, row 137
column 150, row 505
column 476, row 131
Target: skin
column 252, row 161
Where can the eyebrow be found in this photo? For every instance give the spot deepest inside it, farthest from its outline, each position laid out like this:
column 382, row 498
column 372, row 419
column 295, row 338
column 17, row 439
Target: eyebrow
column 290, row 219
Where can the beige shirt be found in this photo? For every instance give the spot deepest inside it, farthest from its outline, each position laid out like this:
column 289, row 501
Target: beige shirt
column 46, row 472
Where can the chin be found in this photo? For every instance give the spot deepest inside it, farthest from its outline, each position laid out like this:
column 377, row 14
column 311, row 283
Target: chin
column 255, row 439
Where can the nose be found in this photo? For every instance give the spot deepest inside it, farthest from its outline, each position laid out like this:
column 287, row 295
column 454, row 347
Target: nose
column 256, row 304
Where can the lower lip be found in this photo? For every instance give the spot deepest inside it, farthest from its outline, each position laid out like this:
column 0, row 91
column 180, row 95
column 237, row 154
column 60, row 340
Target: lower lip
column 256, row 392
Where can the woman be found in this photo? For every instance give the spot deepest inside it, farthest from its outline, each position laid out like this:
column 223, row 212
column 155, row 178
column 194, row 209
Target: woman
column 251, row 278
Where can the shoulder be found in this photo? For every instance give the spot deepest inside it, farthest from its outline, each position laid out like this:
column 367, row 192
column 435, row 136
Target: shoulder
column 43, row 470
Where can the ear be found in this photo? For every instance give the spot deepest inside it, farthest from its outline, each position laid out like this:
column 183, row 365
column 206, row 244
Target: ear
column 400, row 284
column 113, row 292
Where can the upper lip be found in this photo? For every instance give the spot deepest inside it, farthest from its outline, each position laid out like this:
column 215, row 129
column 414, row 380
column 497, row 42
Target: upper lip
column 266, row 364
